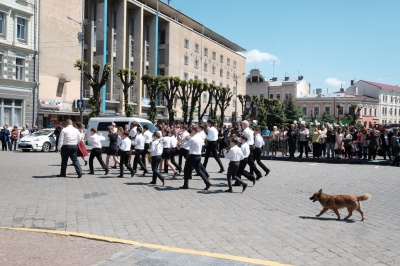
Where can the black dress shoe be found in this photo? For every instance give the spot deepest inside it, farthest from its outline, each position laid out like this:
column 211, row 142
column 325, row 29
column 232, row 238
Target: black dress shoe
column 236, row 185
column 258, row 177
column 207, row 186
column 106, row 171
column 221, row 171
column 244, row 187
column 229, row 190
column 254, row 182
column 114, row 167
column 85, row 163
column 91, row 173
column 184, row 187
column 120, row 176
column 132, row 173
column 79, row 175
column 61, row 175
column 267, row 173
column 163, row 182
column 152, row 182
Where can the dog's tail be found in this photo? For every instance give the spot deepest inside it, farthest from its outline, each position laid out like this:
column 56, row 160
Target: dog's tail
column 364, row 197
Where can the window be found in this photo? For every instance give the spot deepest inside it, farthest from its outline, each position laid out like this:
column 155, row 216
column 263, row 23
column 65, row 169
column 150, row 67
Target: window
column 234, row 90
column 132, row 27
column 328, row 110
column 365, row 111
column 161, row 56
column 21, row 28
column 234, row 64
column 287, row 96
column 196, row 63
column 228, row 74
column 214, row 55
column 370, row 111
column 205, row 67
column 205, row 80
column 186, row 76
column 213, row 82
column 115, row 43
column 316, row 110
column 187, row 43
column 221, row 72
column 162, row 37
column 228, row 61
column 196, row 47
column 304, row 110
column 340, row 110
column 186, row 60
column 205, row 51
column 271, row 95
column 221, row 58
column 12, row 114
column 213, row 69
column 94, row 36
column 132, row 48
column 20, row 69
column 261, row 96
column 2, row 23
column 395, row 111
column 196, row 77
column 278, row 96
column 147, row 53
column 1, row 65
column 390, row 111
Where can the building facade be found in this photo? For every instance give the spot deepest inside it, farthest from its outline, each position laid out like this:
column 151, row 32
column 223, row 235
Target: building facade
column 18, row 57
column 388, row 110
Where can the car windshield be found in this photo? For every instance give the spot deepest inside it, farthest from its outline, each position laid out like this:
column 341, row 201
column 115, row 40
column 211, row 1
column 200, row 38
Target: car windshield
column 152, row 127
column 41, row 133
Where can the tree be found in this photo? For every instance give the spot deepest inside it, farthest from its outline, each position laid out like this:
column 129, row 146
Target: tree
column 198, row 87
column 96, row 82
column 211, row 94
column 354, row 113
column 223, row 100
column 153, row 86
column 292, row 110
column 127, row 77
column 183, row 95
column 327, row 118
column 169, row 92
column 244, row 100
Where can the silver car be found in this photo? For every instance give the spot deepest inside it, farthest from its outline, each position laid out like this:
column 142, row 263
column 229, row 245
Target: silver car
column 42, row 140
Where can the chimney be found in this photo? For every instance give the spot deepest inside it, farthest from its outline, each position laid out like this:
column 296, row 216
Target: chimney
column 319, row 91
column 300, row 78
column 352, row 82
column 341, row 90
column 286, row 78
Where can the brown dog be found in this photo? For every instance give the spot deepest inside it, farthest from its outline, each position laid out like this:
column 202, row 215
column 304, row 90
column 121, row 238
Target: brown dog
column 335, row 202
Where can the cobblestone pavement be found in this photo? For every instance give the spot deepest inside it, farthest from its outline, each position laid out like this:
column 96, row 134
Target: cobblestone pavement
column 272, row 221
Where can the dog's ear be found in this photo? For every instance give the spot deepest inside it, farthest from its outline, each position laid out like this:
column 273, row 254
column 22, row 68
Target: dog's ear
column 320, row 191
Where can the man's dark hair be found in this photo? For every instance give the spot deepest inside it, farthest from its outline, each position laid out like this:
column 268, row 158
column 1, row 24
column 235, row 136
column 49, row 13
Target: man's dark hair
column 210, row 121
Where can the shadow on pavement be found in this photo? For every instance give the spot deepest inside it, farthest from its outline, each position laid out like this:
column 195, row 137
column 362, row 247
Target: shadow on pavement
column 165, row 188
column 325, row 219
column 211, row 191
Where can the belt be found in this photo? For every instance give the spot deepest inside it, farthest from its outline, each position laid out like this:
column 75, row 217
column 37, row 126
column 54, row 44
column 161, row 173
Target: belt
column 194, row 154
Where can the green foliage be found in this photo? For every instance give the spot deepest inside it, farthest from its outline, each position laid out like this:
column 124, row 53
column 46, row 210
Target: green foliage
column 154, row 86
column 169, row 92
column 292, row 110
column 127, row 77
column 327, row 118
column 223, row 99
column 355, row 114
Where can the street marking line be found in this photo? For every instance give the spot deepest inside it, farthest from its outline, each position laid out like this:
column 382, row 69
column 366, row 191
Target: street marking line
column 154, row 246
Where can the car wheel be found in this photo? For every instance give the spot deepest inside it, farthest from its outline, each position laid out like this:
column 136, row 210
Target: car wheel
column 46, row 147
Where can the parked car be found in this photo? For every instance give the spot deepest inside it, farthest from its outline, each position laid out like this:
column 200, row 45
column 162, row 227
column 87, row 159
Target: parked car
column 42, row 140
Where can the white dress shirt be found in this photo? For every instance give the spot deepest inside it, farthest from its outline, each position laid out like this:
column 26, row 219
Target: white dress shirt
column 69, row 136
column 184, row 135
column 195, row 143
column 132, row 135
column 250, row 135
column 245, row 149
column 95, row 140
column 125, row 144
column 139, row 142
column 166, row 141
column 148, row 136
column 156, row 148
column 258, row 141
column 212, row 134
column 235, row 154
column 174, row 142
column 202, row 134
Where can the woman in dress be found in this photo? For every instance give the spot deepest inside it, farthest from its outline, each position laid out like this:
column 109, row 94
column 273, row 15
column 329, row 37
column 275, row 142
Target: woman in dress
column 166, row 155
column 283, row 141
column 82, row 152
column 339, row 144
column 316, row 142
column 113, row 147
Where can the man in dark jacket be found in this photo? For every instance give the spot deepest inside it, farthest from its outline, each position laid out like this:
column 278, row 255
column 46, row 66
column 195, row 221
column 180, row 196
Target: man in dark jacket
column 386, row 139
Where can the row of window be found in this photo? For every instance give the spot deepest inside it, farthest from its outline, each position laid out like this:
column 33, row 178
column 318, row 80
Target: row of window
column 392, row 111
column 19, row 68
column 393, row 99
column 327, row 109
column 205, row 67
column 214, row 54
column 21, row 27
column 277, row 96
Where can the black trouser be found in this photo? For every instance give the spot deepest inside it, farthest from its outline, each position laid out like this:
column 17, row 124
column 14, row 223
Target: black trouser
column 173, row 154
column 386, row 150
column 138, row 160
column 316, row 149
column 155, row 161
column 292, row 147
column 146, row 150
column 4, row 145
column 69, row 151
column 252, row 164
column 14, row 143
column 182, row 153
column 396, row 156
column 257, row 157
column 212, row 148
column 303, row 146
column 124, row 161
column 194, row 161
column 241, row 171
column 96, row 152
column 322, row 150
column 232, row 170
column 371, row 153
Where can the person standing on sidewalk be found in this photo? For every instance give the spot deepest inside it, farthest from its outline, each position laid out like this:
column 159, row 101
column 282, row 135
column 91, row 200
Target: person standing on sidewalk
column 212, row 145
column 95, row 141
column 265, row 134
column 235, row 155
column 291, row 137
column 125, row 149
column 304, row 132
column 194, row 159
column 14, row 137
column 68, row 147
column 156, row 149
column 330, row 143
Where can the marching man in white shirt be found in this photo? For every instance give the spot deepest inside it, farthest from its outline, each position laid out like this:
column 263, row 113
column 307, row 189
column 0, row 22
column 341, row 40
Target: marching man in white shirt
column 68, row 146
column 212, row 144
column 194, row 159
column 235, row 155
column 139, row 151
column 95, row 141
column 250, row 140
column 259, row 143
column 125, row 149
column 148, row 138
column 156, row 150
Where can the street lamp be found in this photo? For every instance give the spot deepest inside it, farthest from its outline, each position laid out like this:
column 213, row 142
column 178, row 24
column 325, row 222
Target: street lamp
column 236, row 88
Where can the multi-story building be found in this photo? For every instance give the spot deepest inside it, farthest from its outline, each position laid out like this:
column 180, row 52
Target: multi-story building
column 18, row 46
column 147, row 36
column 388, row 110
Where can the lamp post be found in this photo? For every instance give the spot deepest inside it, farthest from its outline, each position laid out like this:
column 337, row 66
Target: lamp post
column 236, row 88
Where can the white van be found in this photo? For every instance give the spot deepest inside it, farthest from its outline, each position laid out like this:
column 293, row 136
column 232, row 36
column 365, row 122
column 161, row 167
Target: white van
column 102, row 123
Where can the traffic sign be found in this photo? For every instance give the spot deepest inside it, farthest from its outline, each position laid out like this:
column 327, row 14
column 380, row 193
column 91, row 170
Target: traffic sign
column 80, row 104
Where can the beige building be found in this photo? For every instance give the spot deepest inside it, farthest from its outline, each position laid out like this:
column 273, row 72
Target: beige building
column 182, row 47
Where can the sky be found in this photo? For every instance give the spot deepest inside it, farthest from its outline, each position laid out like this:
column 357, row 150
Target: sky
column 330, row 43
